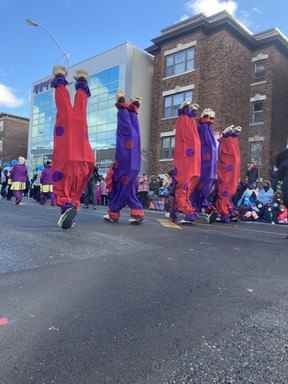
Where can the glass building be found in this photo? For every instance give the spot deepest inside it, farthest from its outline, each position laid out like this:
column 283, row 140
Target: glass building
column 124, row 67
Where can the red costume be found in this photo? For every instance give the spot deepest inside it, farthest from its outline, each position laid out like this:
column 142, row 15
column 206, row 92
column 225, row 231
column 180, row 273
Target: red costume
column 229, row 164
column 73, row 157
column 187, row 161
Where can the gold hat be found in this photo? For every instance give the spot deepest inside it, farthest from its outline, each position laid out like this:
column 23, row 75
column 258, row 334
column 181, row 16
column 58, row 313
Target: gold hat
column 59, row 70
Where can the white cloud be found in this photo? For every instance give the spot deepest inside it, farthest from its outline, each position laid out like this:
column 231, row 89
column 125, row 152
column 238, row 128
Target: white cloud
column 257, row 10
column 8, row 99
column 210, row 7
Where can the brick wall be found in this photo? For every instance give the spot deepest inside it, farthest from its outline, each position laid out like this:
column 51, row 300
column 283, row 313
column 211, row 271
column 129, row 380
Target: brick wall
column 279, row 131
column 221, row 80
column 14, row 137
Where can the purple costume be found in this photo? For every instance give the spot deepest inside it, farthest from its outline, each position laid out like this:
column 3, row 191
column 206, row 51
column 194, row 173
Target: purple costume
column 19, row 177
column 208, row 164
column 127, row 162
column 46, row 181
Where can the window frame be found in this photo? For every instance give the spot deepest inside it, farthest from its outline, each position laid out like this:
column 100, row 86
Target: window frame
column 170, row 148
column 186, row 62
column 259, row 75
column 253, row 118
column 174, row 107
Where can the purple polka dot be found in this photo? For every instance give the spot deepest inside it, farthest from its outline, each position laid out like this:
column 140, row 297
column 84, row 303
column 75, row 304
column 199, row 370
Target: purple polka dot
column 57, row 176
column 189, row 152
column 229, row 168
column 59, row 131
column 225, row 194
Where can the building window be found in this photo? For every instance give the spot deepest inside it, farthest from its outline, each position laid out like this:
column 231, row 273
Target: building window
column 173, row 102
column 259, row 70
column 1, row 146
column 256, row 149
column 180, row 62
column 257, row 112
column 1, row 126
column 167, row 145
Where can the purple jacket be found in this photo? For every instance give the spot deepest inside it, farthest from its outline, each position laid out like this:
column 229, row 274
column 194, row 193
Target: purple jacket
column 46, row 176
column 19, row 173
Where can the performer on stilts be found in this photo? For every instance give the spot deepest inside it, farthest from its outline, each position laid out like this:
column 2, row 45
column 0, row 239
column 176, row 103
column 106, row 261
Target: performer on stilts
column 208, row 176
column 19, row 176
column 73, row 158
column 187, row 162
column 229, row 165
column 127, row 163
column 46, row 187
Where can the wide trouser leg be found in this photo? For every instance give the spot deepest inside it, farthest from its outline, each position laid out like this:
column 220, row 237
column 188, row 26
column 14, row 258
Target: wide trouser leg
column 71, row 183
column 63, row 103
column 124, row 193
column 184, row 190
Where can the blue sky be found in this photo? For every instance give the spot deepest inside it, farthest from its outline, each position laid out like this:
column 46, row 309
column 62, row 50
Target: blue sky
column 88, row 27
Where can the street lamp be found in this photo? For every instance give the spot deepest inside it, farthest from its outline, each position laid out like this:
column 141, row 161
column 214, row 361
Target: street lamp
column 35, row 24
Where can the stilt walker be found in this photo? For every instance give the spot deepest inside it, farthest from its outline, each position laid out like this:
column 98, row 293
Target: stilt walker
column 47, row 185
column 228, row 172
column 208, row 161
column 127, row 163
column 187, row 161
column 19, row 176
column 73, row 158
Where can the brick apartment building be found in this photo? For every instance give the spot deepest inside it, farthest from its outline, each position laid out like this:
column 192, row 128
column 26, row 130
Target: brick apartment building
column 13, row 136
column 219, row 64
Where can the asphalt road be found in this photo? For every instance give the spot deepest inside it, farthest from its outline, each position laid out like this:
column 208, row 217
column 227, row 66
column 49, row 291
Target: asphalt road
column 146, row 304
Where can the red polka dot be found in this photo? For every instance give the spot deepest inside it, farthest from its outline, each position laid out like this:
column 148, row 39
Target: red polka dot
column 124, row 180
column 129, row 144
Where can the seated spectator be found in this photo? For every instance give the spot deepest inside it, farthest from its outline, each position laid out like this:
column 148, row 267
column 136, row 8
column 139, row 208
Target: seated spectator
column 282, row 217
column 243, row 185
column 245, row 199
column 248, row 210
column 265, row 194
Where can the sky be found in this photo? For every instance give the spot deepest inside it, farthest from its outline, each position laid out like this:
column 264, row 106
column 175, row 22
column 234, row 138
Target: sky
column 88, row 27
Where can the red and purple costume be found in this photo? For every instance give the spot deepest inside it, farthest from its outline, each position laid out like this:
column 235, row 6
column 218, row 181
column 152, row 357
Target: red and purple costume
column 18, row 176
column 208, row 164
column 73, row 157
column 228, row 172
column 187, row 161
column 127, row 162
column 47, row 186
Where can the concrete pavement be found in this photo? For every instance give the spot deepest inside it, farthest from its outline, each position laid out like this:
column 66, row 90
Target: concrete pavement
column 147, row 304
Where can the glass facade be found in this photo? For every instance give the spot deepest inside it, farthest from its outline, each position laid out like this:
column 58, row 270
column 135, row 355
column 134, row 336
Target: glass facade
column 102, row 116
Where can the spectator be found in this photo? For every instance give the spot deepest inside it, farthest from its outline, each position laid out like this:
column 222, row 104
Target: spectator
column 245, row 199
column 274, row 178
column 282, row 164
column 104, row 192
column 243, row 185
column 155, row 185
column 252, row 173
column 4, row 183
column 265, row 194
column 89, row 197
column 143, row 190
